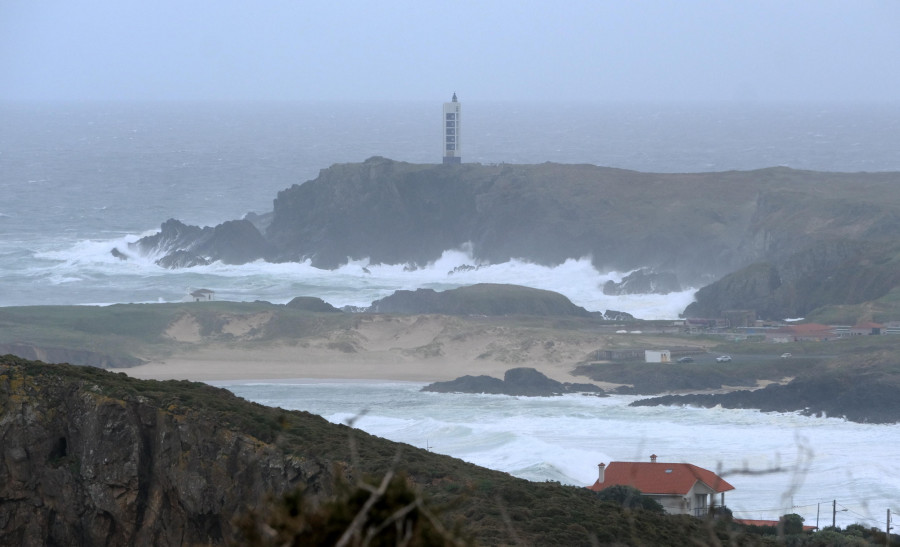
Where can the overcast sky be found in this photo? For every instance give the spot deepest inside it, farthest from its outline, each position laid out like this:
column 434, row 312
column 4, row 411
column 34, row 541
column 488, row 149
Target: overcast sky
column 579, row 50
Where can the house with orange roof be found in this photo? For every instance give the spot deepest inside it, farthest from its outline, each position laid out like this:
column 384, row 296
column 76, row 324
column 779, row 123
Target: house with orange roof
column 681, row 488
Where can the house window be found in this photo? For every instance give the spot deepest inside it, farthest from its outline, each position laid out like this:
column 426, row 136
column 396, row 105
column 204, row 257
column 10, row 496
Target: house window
column 451, row 116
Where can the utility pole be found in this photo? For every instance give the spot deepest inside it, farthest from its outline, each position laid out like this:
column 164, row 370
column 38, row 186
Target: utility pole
column 834, row 514
column 887, row 528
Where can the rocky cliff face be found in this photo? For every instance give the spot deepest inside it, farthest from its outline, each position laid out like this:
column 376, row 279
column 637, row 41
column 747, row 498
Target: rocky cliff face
column 82, row 465
column 833, row 272
column 697, row 226
column 396, row 212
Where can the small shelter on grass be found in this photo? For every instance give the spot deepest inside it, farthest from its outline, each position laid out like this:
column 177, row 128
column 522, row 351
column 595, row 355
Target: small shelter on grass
column 202, row 295
column 681, row 488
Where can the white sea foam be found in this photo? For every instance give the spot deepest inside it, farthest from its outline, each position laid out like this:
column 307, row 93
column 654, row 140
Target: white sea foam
column 89, row 268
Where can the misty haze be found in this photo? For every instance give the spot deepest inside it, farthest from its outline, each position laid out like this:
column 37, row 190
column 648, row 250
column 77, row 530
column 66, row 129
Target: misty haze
column 580, row 274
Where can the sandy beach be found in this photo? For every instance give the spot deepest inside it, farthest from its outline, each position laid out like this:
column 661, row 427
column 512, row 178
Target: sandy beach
column 227, row 364
column 414, row 348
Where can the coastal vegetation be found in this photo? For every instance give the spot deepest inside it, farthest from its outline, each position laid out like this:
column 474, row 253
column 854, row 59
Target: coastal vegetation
column 854, row 377
column 97, row 457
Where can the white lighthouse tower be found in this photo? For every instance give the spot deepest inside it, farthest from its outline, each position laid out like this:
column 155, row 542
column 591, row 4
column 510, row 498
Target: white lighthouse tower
column 452, row 121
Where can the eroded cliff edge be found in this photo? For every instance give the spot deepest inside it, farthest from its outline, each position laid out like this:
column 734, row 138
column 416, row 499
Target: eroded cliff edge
column 92, row 459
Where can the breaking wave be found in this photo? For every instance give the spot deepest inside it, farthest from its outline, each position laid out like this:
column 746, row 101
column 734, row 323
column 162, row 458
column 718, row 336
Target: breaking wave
column 88, row 272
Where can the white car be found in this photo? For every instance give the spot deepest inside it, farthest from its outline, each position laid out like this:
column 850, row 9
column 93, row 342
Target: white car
column 786, row 355
column 723, row 359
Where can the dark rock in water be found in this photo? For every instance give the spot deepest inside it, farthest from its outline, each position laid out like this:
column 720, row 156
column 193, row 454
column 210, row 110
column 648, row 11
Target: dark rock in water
column 613, row 315
column 643, row 281
column 481, row 299
column 118, row 254
column 181, row 259
column 522, row 381
column 463, row 268
column 232, row 242
column 173, row 235
column 311, row 303
column 867, row 398
column 469, row 384
column 235, row 242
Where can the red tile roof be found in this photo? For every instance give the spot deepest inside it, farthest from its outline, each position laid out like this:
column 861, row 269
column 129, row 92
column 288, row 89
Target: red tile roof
column 660, row 478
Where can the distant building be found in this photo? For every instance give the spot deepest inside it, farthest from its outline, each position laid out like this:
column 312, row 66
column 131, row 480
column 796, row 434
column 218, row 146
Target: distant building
column 202, row 295
column 866, row 329
column 452, row 126
column 739, row 318
column 681, row 488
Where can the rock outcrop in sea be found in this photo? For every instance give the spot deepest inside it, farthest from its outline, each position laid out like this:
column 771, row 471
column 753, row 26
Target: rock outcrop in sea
column 868, row 398
column 522, row 381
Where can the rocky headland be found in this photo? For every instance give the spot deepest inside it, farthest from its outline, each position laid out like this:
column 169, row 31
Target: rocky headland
column 865, row 398
column 774, row 230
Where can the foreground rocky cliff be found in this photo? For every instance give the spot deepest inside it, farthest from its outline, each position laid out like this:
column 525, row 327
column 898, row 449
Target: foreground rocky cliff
column 89, row 460
column 89, row 457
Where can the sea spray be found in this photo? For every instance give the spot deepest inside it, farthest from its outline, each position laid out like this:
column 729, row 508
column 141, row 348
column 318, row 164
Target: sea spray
column 92, row 274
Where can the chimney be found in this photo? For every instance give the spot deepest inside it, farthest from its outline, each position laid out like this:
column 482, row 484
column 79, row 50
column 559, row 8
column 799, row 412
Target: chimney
column 602, row 469
column 652, row 458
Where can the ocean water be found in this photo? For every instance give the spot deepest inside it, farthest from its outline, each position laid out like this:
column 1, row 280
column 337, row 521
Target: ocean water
column 78, row 180
column 812, row 462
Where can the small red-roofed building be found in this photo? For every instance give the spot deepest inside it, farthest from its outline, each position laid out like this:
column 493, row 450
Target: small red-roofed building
column 681, row 488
